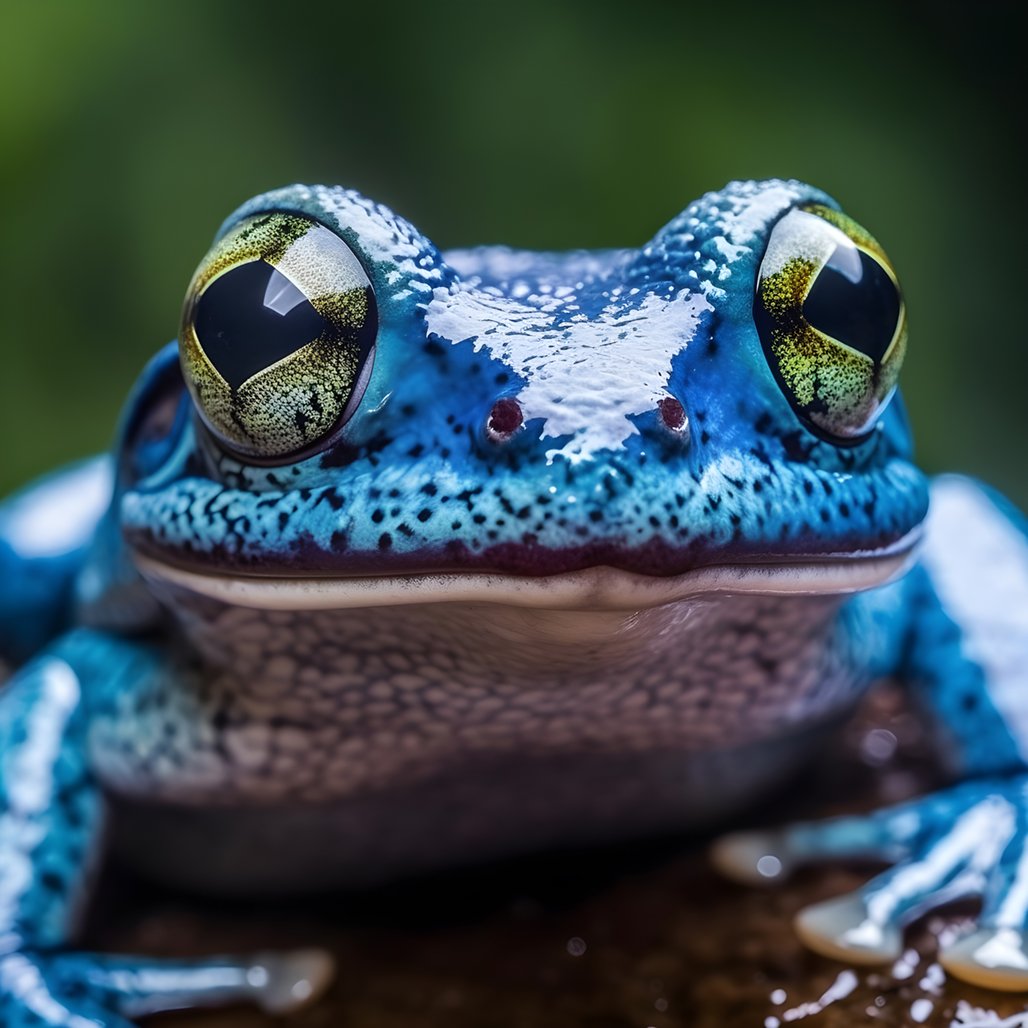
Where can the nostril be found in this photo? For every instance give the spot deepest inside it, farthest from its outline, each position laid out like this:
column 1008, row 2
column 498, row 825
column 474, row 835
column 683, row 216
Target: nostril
column 504, row 420
column 673, row 417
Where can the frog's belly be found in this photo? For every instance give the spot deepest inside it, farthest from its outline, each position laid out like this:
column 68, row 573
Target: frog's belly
column 493, row 808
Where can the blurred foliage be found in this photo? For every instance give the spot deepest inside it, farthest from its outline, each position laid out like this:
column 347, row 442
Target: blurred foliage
column 129, row 130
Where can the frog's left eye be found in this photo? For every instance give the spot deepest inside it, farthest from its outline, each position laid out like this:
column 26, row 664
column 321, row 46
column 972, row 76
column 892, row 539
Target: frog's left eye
column 831, row 319
column 277, row 332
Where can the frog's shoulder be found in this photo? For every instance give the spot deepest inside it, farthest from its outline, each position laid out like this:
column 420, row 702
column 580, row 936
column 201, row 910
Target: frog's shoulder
column 46, row 531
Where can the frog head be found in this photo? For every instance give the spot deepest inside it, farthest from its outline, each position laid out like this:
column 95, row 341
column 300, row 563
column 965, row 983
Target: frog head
column 351, row 416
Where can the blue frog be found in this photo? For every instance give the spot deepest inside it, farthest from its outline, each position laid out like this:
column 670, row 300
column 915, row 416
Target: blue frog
column 405, row 558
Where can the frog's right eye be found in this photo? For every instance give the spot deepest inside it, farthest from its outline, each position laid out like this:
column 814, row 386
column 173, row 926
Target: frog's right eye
column 277, row 332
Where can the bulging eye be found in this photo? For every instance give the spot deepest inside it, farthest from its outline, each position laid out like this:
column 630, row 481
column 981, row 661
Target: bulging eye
column 277, row 332
column 831, row 319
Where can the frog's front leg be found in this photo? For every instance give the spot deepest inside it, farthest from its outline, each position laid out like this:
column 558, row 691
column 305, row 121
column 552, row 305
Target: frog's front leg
column 963, row 649
column 51, row 828
column 971, row 840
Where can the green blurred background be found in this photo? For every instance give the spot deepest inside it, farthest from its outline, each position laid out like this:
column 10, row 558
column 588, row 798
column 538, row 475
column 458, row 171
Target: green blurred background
column 128, row 130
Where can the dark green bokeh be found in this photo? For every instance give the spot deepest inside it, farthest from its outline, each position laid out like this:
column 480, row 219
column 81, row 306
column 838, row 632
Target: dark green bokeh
column 128, row 131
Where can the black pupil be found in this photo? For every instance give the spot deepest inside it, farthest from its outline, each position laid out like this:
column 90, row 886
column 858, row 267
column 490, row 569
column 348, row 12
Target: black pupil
column 251, row 317
column 854, row 301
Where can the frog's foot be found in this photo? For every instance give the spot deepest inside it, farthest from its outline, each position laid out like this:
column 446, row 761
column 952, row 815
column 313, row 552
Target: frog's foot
column 968, row 841
column 86, row 990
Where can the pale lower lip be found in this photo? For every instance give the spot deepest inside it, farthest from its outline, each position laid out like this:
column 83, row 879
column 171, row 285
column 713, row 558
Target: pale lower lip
column 598, row 588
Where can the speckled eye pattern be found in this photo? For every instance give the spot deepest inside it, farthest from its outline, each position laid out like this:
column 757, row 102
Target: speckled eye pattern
column 831, row 319
column 277, row 331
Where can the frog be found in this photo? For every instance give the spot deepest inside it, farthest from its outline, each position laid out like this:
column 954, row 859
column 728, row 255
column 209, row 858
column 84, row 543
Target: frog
column 406, row 559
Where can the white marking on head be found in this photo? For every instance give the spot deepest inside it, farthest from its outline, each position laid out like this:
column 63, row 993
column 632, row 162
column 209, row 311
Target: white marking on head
column 584, row 378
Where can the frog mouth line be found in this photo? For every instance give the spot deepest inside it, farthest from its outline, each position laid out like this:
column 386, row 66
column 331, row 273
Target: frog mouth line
column 595, row 588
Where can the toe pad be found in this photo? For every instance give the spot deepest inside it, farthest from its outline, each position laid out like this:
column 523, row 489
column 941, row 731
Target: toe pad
column 994, row 958
column 291, row 980
column 752, row 858
column 840, row 928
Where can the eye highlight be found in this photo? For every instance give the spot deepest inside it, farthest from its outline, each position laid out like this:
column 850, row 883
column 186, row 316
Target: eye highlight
column 831, row 319
column 277, row 332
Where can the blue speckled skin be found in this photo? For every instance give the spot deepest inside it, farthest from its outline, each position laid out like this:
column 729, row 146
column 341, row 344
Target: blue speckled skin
column 361, row 506
column 133, row 696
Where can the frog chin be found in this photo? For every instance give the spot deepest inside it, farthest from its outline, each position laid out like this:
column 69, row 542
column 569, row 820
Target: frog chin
column 594, row 588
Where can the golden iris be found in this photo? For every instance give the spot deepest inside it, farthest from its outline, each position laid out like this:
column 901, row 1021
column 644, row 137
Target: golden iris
column 277, row 328
column 831, row 319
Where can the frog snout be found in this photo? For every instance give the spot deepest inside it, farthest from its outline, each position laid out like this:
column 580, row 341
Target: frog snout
column 666, row 421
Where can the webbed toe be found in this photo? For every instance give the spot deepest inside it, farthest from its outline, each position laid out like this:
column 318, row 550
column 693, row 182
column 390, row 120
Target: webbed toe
column 970, row 841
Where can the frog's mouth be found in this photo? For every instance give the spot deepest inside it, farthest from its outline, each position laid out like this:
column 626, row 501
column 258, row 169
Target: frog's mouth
column 594, row 588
